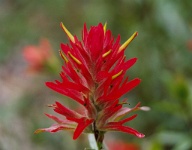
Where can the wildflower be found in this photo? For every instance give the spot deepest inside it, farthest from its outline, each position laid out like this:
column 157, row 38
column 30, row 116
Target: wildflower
column 37, row 56
column 94, row 75
column 121, row 145
column 189, row 44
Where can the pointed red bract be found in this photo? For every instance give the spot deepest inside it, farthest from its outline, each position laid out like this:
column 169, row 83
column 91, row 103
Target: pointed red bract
column 82, row 124
column 94, row 75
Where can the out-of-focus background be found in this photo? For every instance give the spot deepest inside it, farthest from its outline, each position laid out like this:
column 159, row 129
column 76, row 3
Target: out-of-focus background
column 30, row 38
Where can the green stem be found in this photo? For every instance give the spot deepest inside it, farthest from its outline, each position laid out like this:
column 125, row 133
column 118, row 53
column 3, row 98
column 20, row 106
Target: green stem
column 99, row 136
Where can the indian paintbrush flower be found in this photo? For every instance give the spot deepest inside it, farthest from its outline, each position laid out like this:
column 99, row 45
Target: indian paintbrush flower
column 121, row 145
column 37, row 56
column 40, row 57
column 94, row 75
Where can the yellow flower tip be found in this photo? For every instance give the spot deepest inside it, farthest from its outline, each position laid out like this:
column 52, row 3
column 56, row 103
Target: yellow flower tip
column 67, row 32
column 116, row 75
column 105, row 27
column 75, row 59
column 122, row 103
column 124, row 45
column 51, row 105
column 84, row 95
column 106, row 54
column 38, row 131
column 63, row 56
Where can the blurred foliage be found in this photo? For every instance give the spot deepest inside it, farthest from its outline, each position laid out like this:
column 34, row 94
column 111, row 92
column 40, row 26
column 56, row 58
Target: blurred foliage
column 164, row 65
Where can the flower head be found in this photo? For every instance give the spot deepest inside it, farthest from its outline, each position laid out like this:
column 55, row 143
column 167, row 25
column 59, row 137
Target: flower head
column 94, row 75
column 121, row 145
column 37, row 56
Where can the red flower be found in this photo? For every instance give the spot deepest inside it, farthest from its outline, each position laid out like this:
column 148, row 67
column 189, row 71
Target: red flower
column 189, row 44
column 94, row 76
column 36, row 56
column 121, row 145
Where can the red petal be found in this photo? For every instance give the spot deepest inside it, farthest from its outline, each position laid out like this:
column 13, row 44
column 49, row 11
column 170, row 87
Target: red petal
column 70, row 93
column 122, row 121
column 54, row 128
column 66, row 111
column 124, row 89
column 95, row 41
column 130, row 85
column 65, row 48
column 107, row 39
column 83, row 123
column 54, row 118
column 84, row 34
column 129, row 63
column 122, row 112
column 108, row 112
column 101, row 75
column 125, row 129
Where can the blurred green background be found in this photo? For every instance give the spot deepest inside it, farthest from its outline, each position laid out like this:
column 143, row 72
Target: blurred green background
column 163, row 49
